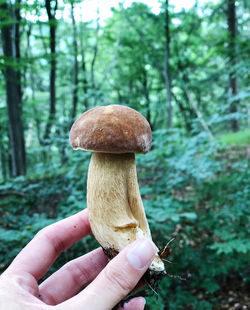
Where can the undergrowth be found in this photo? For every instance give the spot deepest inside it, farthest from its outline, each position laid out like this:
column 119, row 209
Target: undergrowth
column 193, row 191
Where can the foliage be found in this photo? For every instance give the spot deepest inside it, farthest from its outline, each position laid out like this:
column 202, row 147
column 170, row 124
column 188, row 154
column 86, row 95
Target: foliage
column 191, row 192
column 204, row 204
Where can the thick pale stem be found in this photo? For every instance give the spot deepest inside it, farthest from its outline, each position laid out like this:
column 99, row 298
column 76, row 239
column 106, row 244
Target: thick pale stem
column 116, row 212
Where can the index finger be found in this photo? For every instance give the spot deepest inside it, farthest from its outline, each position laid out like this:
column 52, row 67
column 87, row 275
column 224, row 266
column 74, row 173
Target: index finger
column 38, row 255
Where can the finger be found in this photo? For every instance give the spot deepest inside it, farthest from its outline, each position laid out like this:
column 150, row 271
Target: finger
column 137, row 303
column 42, row 251
column 116, row 280
column 72, row 277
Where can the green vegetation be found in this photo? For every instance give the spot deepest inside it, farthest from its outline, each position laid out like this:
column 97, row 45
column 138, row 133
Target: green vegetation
column 191, row 191
column 237, row 138
column 187, row 72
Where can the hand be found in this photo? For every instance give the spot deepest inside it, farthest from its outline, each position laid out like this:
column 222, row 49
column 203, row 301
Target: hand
column 105, row 283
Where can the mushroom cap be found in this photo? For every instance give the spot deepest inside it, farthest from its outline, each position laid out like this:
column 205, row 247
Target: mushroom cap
column 111, row 129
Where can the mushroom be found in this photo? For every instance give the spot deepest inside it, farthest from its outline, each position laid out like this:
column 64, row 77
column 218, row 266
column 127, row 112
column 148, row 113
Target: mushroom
column 113, row 134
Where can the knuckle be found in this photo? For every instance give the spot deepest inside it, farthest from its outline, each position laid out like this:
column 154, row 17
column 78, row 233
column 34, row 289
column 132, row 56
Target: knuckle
column 119, row 279
column 79, row 274
column 55, row 242
column 43, row 233
column 48, row 299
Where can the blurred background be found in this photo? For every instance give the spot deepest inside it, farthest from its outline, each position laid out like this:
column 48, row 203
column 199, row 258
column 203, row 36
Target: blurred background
column 185, row 66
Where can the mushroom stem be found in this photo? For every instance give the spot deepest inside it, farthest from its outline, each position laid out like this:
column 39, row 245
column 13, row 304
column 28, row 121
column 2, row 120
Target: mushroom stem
column 116, row 211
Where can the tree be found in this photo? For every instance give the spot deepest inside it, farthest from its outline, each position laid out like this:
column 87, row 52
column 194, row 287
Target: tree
column 94, row 58
column 51, row 12
column 75, row 81
column 167, row 75
column 232, row 29
column 10, row 18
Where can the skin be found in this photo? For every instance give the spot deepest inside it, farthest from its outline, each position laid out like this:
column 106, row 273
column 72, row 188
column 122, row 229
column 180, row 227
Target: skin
column 107, row 283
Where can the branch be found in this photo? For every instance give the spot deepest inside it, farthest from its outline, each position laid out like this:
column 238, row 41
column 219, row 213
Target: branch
column 199, row 114
column 147, row 46
column 11, row 193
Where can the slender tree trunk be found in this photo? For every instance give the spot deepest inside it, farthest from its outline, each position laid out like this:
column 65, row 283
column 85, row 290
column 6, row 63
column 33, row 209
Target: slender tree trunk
column 167, row 74
column 45, row 47
column 26, row 53
column 183, row 111
column 32, row 78
column 147, row 97
column 119, row 95
column 12, row 74
column 85, row 82
column 198, row 113
column 75, row 82
column 94, row 58
column 3, row 152
column 92, row 72
column 232, row 29
column 84, row 71
column 17, row 44
column 3, row 163
column 51, row 12
column 84, row 68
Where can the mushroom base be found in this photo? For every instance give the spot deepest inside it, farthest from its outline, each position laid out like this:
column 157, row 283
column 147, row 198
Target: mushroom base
column 151, row 277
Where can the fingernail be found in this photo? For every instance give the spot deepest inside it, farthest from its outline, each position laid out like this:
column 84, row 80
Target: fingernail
column 137, row 302
column 141, row 253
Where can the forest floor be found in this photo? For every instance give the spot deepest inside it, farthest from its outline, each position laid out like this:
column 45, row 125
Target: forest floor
column 233, row 295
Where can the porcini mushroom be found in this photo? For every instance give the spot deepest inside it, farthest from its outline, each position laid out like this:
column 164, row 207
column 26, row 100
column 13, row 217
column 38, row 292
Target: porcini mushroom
column 114, row 134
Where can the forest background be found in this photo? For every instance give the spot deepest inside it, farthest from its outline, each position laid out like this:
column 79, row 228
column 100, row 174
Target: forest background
column 187, row 72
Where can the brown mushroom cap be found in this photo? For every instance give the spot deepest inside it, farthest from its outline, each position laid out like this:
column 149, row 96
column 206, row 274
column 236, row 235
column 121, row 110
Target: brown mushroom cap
column 111, row 129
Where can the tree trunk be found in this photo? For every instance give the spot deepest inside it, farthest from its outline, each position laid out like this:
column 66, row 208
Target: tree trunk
column 75, row 82
column 32, row 78
column 232, row 29
column 85, row 82
column 51, row 12
column 167, row 69
column 198, row 114
column 84, row 71
column 12, row 74
column 147, row 97
column 184, row 114
column 3, row 152
column 84, row 68
column 92, row 72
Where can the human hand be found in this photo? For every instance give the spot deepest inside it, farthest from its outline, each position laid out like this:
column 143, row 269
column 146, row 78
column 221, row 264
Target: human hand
column 105, row 283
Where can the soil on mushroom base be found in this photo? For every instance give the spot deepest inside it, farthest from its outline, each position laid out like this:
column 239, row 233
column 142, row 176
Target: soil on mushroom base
column 150, row 278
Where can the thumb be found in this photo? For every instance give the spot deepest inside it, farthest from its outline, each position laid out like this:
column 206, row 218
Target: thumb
column 117, row 279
